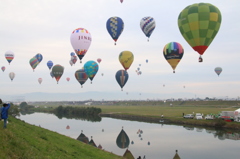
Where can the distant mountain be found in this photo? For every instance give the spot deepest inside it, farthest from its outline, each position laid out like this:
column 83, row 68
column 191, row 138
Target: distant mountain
column 42, row 96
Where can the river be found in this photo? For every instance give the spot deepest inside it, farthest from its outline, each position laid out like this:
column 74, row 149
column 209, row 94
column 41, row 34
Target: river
column 157, row 141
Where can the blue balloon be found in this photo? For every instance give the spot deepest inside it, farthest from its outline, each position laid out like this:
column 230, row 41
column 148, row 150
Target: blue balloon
column 115, row 27
column 49, row 64
column 91, row 69
column 72, row 53
column 121, row 77
column 39, row 57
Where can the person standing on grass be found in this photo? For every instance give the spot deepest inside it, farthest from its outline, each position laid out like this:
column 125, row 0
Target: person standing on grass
column 4, row 113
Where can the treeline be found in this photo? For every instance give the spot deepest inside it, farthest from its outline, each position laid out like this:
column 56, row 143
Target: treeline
column 26, row 109
column 84, row 113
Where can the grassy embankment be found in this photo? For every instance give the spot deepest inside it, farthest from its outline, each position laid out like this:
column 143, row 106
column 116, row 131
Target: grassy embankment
column 24, row 141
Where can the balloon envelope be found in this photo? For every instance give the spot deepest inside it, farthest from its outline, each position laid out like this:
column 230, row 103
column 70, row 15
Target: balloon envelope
column 99, row 60
column 51, row 74
column 74, row 59
column 9, row 55
column 91, row 69
column 72, row 54
column 199, row 24
column 115, row 27
column 3, row 68
column 39, row 80
column 218, row 70
column 39, row 57
column 81, row 76
column 126, row 58
column 122, row 140
column 173, row 53
column 11, row 75
column 68, row 79
column 81, row 40
column 147, row 25
column 57, row 71
column 34, row 62
column 121, row 77
column 49, row 64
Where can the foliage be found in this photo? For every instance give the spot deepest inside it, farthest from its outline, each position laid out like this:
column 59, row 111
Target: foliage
column 25, row 108
column 90, row 113
column 219, row 122
column 25, row 141
column 14, row 110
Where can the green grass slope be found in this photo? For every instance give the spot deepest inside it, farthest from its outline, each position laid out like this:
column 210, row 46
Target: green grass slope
column 24, row 141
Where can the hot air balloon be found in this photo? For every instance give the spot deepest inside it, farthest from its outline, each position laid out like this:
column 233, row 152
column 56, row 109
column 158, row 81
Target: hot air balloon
column 83, row 138
column 121, row 1
column 51, row 74
column 49, row 64
column 9, row 55
column 91, row 142
column 115, row 27
column 3, row 68
column 57, row 72
column 81, row 76
column 34, row 62
column 81, row 40
column 173, row 53
column 91, row 69
column 147, row 61
column 121, row 77
column 11, row 75
column 147, row 25
column 218, row 70
column 99, row 60
column 74, row 59
column 126, row 58
column 68, row 79
column 122, row 140
column 70, row 62
column 199, row 24
column 39, row 57
column 39, row 80
column 72, row 54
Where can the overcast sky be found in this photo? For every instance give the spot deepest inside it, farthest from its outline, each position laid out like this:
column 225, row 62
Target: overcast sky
column 44, row 26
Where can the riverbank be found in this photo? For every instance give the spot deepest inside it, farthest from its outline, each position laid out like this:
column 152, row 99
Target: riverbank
column 23, row 140
column 216, row 123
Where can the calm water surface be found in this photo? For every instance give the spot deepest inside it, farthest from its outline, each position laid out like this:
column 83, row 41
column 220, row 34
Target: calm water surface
column 191, row 142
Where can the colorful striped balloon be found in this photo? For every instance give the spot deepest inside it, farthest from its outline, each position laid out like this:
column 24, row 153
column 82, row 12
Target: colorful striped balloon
column 34, row 62
column 173, row 53
column 81, row 76
column 9, row 55
column 218, row 70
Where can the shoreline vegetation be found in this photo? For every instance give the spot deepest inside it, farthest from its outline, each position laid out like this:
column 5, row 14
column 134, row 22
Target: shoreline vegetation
column 151, row 111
